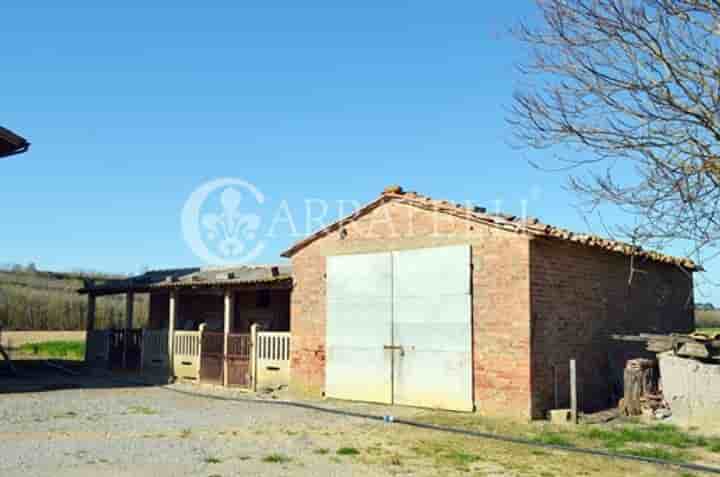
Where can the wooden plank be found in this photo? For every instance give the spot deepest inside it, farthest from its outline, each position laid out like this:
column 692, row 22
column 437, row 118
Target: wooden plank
column 573, row 392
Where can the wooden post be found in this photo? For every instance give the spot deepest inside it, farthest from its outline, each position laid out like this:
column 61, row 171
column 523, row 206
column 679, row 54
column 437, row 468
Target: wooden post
column 253, row 356
column 90, row 317
column 228, row 317
column 171, row 330
column 640, row 381
column 129, row 302
column 129, row 309
column 573, row 392
column 89, row 324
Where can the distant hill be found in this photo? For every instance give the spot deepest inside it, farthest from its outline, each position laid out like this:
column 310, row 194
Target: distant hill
column 32, row 299
column 704, row 306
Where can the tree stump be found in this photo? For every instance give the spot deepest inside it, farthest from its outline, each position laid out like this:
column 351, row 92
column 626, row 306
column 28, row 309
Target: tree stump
column 641, row 379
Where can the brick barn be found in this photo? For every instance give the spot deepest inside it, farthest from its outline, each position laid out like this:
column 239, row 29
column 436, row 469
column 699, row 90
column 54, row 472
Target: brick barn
column 424, row 302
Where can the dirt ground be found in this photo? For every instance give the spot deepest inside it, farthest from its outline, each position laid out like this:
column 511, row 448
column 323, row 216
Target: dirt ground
column 95, row 425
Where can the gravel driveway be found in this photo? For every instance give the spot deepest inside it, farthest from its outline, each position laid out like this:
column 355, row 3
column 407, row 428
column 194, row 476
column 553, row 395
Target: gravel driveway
column 104, row 429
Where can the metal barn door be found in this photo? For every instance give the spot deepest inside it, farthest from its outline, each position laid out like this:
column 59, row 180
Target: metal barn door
column 432, row 328
column 399, row 328
column 359, row 324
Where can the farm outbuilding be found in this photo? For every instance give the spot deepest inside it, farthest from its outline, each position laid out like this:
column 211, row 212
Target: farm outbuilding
column 217, row 325
column 423, row 302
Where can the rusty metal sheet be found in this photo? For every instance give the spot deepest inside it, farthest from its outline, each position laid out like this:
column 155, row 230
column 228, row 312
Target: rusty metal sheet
column 359, row 324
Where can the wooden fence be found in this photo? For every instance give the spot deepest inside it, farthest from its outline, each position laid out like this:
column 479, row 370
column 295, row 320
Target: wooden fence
column 259, row 359
column 97, row 348
column 186, row 355
column 155, row 349
column 272, row 367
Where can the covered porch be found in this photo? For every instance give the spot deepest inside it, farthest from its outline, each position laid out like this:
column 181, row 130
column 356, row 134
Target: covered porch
column 226, row 326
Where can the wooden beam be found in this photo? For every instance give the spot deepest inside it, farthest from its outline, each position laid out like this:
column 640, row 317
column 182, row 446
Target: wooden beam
column 253, row 356
column 129, row 309
column 172, row 315
column 229, row 312
column 90, row 317
column 573, row 392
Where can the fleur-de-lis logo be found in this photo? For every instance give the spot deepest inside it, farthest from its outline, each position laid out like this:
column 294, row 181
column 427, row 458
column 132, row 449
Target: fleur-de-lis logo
column 230, row 227
column 224, row 234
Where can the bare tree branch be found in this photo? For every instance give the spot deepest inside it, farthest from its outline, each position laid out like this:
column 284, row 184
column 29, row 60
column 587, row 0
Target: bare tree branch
column 636, row 84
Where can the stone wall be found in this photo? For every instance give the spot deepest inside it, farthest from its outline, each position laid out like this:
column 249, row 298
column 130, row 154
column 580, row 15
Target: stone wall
column 692, row 389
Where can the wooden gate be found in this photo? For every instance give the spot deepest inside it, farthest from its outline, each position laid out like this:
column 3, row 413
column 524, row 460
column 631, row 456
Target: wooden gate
column 117, row 348
column 211, row 357
column 133, row 349
column 125, row 349
column 238, row 360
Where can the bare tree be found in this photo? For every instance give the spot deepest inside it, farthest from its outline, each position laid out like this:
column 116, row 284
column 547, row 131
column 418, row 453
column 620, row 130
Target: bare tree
column 630, row 92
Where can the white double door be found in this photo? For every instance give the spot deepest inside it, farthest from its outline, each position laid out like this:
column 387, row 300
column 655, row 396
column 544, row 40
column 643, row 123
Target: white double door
column 399, row 327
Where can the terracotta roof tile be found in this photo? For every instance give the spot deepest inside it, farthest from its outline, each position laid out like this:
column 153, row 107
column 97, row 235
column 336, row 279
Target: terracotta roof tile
column 530, row 225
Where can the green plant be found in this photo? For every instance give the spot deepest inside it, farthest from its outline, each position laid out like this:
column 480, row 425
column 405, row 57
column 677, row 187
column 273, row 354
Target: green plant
column 656, row 453
column 146, row 411
column 276, row 458
column 462, row 458
column 322, row 451
column 212, row 460
column 553, row 438
column 347, row 451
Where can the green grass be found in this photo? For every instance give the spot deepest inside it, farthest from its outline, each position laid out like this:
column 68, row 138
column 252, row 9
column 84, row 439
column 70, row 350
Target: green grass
column 462, row 458
column 553, row 438
column 142, row 410
column 661, row 434
column 55, row 349
column 656, row 453
column 276, row 458
column 347, row 451
column 708, row 331
column 322, row 451
column 212, row 460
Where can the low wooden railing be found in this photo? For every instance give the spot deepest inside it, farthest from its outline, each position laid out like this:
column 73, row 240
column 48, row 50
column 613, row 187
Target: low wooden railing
column 186, row 354
column 273, row 346
column 272, row 362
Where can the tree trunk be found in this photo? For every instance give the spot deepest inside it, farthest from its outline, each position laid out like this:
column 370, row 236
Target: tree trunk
column 641, row 378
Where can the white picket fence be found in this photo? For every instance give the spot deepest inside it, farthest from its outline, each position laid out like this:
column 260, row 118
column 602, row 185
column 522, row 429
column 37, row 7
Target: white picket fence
column 186, row 355
column 273, row 346
column 273, row 359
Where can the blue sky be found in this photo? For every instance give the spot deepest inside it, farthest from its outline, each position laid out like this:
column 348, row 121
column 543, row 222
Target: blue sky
column 132, row 108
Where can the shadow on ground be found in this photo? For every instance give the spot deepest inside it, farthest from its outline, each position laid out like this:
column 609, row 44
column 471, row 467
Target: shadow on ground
column 36, row 375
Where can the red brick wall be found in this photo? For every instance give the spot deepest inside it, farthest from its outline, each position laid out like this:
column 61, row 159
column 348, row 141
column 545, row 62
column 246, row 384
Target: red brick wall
column 580, row 296
column 501, row 300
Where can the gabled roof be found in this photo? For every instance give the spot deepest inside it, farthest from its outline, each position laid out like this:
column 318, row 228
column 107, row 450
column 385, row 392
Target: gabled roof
column 528, row 225
column 194, row 277
column 11, row 143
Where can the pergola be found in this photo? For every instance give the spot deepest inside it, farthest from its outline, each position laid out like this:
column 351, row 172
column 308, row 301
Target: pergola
column 213, row 305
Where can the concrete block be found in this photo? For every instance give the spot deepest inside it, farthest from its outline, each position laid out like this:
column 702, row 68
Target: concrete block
column 560, row 416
